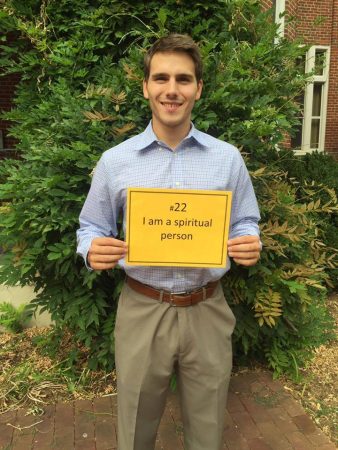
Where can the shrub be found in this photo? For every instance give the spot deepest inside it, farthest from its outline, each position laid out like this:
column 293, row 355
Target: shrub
column 80, row 94
column 14, row 319
column 315, row 176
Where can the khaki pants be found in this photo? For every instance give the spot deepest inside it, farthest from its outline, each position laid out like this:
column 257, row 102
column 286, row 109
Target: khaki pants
column 151, row 339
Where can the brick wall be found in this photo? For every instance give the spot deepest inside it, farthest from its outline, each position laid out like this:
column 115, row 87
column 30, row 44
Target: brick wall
column 267, row 4
column 8, row 84
column 317, row 24
column 7, row 89
column 331, row 140
column 291, row 18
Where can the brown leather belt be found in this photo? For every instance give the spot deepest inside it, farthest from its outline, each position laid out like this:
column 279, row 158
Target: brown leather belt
column 175, row 299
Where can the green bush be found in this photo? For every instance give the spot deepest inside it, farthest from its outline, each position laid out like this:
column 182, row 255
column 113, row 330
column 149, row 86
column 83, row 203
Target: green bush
column 80, row 94
column 14, row 319
column 315, row 176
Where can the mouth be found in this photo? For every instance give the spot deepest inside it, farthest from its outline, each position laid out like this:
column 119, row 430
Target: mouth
column 171, row 106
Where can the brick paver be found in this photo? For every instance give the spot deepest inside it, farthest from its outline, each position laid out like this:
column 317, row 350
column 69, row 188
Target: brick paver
column 260, row 415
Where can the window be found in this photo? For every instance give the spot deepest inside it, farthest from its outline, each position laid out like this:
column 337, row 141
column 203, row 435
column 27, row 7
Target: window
column 311, row 133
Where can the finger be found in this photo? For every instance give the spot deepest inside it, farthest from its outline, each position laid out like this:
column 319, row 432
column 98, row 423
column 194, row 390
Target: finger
column 103, row 266
column 108, row 241
column 104, row 258
column 243, row 240
column 107, row 250
column 246, row 262
column 244, row 255
column 244, row 247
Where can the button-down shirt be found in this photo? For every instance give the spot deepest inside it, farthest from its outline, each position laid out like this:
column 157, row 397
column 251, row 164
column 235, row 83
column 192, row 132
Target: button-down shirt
column 199, row 162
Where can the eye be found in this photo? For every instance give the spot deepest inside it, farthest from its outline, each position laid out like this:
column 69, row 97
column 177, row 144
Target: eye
column 160, row 79
column 184, row 80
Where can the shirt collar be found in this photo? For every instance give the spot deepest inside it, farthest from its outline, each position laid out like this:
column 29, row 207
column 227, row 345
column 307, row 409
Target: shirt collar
column 148, row 137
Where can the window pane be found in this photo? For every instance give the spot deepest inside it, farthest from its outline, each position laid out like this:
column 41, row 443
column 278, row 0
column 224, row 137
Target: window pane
column 320, row 59
column 317, row 99
column 296, row 140
column 315, row 125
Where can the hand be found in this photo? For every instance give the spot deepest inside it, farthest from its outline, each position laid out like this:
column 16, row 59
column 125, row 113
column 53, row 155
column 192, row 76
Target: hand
column 245, row 250
column 105, row 253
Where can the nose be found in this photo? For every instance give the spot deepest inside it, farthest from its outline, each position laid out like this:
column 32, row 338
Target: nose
column 171, row 87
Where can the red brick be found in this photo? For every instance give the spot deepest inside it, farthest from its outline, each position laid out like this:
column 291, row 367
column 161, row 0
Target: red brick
column 304, row 424
column 273, row 436
column 63, row 442
column 85, row 444
column 103, row 405
column 327, row 447
column 228, row 422
column 234, row 403
column 285, row 426
column 245, row 424
column 25, row 430
column 299, row 441
column 22, row 440
column 257, row 386
column 292, row 407
column 318, row 438
column 168, row 436
column 174, row 407
column 64, row 426
column 240, row 384
column 43, row 437
column 84, row 420
column 259, row 444
column 105, row 423
column 234, row 440
column 6, row 435
column 259, row 413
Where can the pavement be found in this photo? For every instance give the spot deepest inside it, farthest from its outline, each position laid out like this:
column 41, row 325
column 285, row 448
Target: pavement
column 260, row 415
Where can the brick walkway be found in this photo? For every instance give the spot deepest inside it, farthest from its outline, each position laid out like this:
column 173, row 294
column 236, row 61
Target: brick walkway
column 260, row 416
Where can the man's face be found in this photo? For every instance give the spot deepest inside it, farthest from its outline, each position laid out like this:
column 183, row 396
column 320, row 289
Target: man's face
column 172, row 90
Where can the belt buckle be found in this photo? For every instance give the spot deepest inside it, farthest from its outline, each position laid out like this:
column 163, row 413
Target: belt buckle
column 176, row 293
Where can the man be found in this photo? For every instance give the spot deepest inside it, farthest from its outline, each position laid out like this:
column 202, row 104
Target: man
column 154, row 333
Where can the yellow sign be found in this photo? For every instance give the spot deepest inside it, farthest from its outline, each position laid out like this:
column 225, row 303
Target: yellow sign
column 169, row 227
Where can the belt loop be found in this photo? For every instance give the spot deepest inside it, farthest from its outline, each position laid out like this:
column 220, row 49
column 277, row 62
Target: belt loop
column 204, row 293
column 161, row 296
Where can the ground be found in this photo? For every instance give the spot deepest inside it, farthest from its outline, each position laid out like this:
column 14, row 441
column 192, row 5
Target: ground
column 317, row 390
column 34, row 373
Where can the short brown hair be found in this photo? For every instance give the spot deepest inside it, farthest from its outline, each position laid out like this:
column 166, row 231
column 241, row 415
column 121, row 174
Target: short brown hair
column 175, row 43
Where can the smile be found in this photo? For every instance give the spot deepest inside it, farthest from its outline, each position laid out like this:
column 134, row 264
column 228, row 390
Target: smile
column 171, row 106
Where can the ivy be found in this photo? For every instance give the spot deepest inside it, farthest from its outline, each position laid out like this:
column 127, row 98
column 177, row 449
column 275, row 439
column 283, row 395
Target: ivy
column 80, row 94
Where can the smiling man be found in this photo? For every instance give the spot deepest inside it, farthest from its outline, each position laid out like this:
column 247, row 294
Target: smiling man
column 170, row 319
column 172, row 89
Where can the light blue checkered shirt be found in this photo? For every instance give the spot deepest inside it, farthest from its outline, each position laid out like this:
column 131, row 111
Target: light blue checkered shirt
column 199, row 162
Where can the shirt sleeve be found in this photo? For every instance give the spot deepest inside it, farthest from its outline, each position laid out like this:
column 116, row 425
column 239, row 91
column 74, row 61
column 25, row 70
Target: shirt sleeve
column 244, row 212
column 98, row 217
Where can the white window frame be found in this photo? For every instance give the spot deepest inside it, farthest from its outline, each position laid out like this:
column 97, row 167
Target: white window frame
column 280, row 9
column 308, row 101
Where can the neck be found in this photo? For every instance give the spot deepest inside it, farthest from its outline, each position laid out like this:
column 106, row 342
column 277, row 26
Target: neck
column 172, row 136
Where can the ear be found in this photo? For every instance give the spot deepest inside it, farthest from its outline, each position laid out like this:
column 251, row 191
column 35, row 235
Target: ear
column 199, row 90
column 145, row 90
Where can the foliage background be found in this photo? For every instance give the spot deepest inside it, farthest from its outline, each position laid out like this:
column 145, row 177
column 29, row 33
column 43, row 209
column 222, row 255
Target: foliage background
column 80, row 66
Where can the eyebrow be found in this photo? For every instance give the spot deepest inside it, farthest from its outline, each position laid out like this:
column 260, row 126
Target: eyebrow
column 179, row 75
